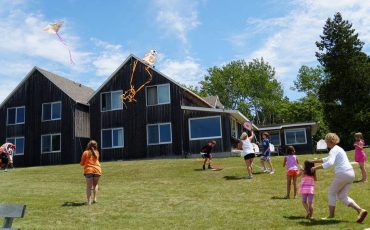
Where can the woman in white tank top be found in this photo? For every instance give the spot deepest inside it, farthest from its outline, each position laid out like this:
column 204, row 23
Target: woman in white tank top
column 248, row 152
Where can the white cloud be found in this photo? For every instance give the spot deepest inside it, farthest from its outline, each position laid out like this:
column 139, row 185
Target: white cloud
column 177, row 17
column 109, row 59
column 187, row 71
column 290, row 39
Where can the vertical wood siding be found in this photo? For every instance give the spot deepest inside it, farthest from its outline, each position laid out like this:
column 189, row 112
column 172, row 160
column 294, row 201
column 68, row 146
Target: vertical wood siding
column 32, row 94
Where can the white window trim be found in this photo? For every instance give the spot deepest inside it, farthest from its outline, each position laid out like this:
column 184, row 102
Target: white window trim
column 51, row 143
column 275, row 132
column 203, row 138
column 111, row 129
column 295, row 130
column 159, row 133
column 16, row 113
column 15, row 138
column 110, row 92
column 51, row 111
column 151, row 86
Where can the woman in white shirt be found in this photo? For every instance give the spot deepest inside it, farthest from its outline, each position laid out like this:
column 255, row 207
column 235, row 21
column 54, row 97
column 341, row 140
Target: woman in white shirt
column 343, row 179
column 248, row 152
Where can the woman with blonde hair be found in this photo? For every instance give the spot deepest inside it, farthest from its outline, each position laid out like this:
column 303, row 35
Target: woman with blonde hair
column 92, row 170
column 248, row 152
column 343, row 179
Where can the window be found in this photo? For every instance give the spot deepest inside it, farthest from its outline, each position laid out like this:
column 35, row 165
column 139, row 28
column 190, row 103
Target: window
column 205, row 128
column 50, row 143
column 158, row 94
column 275, row 138
column 111, row 101
column 112, row 138
column 16, row 115
column 159, row 134
column 295, row 136
column 51, row 111
column 19, row 144
column 234, row 128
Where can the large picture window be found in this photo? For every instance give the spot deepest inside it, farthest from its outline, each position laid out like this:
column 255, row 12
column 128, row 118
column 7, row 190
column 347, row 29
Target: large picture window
column 159, row 134
column 19, row 144
column 295, row 136
column 51, row 111
column 158, row 94
column 50, row 143
column 111, row 101
column 205, row 128
column 112, row 138
column 16, row 115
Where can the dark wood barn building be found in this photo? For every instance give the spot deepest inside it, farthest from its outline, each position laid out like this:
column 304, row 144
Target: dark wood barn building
column 47, row 117
column 166, row 119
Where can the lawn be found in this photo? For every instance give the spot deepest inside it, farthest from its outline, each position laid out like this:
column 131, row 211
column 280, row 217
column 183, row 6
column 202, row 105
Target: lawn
column 172, row 194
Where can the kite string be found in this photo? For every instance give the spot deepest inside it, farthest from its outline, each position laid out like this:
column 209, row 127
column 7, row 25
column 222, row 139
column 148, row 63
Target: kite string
column 130, row 94
column 64, row 43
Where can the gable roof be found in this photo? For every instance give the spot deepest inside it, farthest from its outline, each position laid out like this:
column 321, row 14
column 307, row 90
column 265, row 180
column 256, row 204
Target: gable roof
column 155, row 70
column 76, row 91
column 214, row 101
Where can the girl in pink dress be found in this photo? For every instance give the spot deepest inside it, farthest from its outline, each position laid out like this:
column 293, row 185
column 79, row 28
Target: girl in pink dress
column 360, row 156
column 307, row 188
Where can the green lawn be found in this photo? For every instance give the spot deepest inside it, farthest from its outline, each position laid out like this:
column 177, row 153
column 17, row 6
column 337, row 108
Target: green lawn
column 172, row 194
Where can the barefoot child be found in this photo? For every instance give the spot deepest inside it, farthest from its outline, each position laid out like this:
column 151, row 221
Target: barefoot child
column 292, row 165
column 307, row 188
column 205, row 152
column 360, row 156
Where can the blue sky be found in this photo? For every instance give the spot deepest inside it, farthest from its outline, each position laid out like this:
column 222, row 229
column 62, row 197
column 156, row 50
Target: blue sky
column 190, row 36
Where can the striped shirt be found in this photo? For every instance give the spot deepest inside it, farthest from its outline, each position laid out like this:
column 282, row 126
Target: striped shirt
column 307, row 185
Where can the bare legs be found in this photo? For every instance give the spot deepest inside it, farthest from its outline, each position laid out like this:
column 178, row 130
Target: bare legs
column 95, row 187
column 363, row 171
column 91, row 189
column 89, row 186
column 288, row 182
column 249, row 163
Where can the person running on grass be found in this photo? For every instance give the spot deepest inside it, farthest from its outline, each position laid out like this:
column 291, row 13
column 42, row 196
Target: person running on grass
column 92, row 170
column 265, row 156
column 307, row 188
column 205, row 152
column 292, row 170
column 343, row 179
column 360, row 155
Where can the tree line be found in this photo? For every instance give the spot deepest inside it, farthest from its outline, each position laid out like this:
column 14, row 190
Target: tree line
column 336, row 92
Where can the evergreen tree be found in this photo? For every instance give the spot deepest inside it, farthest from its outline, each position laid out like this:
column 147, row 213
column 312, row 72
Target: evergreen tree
column 345, row 90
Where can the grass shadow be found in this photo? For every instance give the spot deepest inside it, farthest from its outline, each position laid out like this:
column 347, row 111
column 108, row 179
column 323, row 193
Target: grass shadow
column 233, row 177
column 259, row 172
column 294, row 217
column 279, row 198
column 73, row 204
column 320, row 222
column 314, row 222
column 357, row 181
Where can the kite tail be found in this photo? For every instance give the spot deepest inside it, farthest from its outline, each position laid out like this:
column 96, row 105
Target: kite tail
column 69, row 51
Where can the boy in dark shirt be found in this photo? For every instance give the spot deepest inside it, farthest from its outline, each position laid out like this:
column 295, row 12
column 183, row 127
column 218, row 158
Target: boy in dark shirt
column 206, row 154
